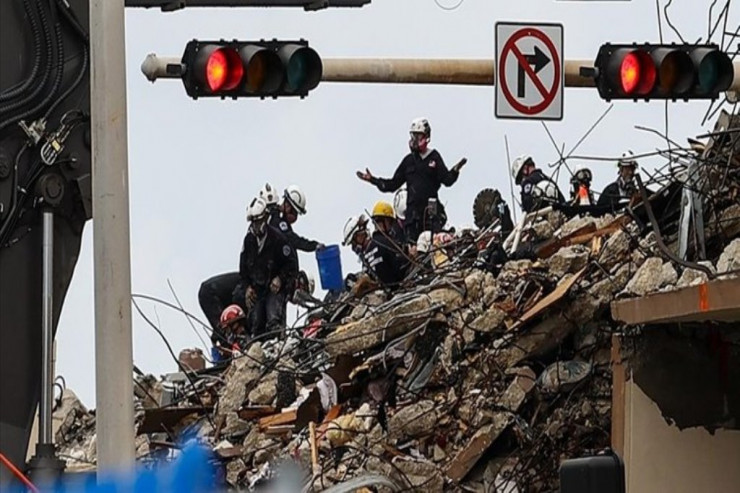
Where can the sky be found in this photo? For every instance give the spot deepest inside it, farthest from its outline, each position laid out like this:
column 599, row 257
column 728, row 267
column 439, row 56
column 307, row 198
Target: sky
column 195, row 165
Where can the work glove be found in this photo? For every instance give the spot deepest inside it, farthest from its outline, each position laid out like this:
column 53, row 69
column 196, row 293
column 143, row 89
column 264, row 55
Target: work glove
column 365, row 175
column 275, row 285
column 250, row 297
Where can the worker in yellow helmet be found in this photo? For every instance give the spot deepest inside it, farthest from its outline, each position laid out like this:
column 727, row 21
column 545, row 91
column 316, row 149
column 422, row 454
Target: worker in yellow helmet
column 384, row 258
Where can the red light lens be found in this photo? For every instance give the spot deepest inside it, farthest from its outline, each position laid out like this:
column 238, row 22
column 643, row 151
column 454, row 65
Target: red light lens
column 216, row 69
column 637, row 73
column 630, row 73
column 224, row 70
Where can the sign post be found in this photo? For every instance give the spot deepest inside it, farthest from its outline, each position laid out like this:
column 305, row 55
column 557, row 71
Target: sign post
column 529, row 71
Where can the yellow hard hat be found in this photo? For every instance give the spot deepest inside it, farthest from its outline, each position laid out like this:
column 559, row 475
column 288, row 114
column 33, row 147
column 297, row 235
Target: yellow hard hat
column 383, row 209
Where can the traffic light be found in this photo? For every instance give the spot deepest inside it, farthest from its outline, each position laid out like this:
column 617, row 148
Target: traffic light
column 659, row 71
column 250, row 68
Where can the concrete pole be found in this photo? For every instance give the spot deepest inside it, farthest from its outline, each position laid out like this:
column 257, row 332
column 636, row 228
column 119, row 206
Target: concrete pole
column 111, row 239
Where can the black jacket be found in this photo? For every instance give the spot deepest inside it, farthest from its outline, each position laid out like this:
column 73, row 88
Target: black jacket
column 384, row 260
column 530, row 202
column 295, row 240
column 504, row 215
column 612, row 195
column 423, row 177
column 258, row 266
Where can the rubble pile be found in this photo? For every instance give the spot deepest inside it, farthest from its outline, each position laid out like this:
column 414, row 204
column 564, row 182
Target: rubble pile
column 472, row 376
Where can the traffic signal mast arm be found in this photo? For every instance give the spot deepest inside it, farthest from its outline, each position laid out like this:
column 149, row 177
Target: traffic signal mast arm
column 172, row 5
column 409, row 71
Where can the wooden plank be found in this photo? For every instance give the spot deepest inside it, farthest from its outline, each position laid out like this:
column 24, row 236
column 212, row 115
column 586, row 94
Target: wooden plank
column 253, row 412
column 287, row 417
column 556, row 295
column 555, row 244
column 314, row 447
column 158, row 420
column 469, row 455
column 618, row 398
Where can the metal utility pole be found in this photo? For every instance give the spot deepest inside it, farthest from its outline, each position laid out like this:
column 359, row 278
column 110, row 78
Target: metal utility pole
column 111, row 239
column 474, row 72
column 45, row 468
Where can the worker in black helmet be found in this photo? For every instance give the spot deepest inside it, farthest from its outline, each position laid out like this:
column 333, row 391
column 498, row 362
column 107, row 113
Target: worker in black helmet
column 423, row 171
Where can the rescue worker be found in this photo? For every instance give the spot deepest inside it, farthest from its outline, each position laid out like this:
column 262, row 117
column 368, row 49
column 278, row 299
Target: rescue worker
column 268, row 271
column 538, row 191
column 214, row 295
column 284, row 215
column 580, row 193
column 423, row 171
column 382, row 256
column 356, row 235
column 233, row 330
column 616, row 195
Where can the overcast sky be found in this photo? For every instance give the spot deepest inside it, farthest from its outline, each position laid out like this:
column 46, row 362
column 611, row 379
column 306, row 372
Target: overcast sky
column 194, row 165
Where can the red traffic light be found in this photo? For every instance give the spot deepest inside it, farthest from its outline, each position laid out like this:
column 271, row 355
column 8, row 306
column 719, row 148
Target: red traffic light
column 218, row 68
column 250, row 68
column 662, row 71
column 637, row 73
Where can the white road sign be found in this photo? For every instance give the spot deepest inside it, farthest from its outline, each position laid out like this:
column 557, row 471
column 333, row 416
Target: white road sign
column 529, row 71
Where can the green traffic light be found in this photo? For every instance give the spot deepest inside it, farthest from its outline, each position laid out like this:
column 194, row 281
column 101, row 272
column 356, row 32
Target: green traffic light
column 715, row 71
column 303, row 70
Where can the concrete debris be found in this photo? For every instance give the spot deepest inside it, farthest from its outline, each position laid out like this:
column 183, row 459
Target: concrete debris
column 450, row 382
column 568, row 260
column 647, row 279
column 694, row 277
column 729, row 260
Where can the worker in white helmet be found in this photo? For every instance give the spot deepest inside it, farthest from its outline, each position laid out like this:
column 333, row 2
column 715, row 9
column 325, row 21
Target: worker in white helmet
column 618, row 194
column 424, row 172
column 283, row 214
column 538, row 191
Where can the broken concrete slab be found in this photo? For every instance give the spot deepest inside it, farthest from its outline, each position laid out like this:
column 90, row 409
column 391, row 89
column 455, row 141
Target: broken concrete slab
column 492, row 319
column 647, row 278
column 730, row 259
column 481, row 441
column 568, row 260
column 694, row 277
column 416, row 420
column 386, row 325
column 615, row 250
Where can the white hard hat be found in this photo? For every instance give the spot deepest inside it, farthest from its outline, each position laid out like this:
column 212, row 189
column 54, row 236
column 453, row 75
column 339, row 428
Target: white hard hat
column 352, row 226
column 518, row 165
column 296, row 198
column 399, row 203
column 257, row 210
column 269, row 194
column 421, row 125
column 628, row 159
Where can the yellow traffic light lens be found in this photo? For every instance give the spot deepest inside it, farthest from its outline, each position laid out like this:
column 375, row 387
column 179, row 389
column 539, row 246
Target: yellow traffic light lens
column 264, row 69
column 676, row 73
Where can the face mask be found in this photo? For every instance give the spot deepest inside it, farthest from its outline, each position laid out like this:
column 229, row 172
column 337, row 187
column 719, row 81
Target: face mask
column 258, row 228
column 418, row 142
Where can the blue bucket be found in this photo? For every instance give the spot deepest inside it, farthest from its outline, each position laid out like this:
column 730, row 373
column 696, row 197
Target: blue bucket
column 330, row 268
